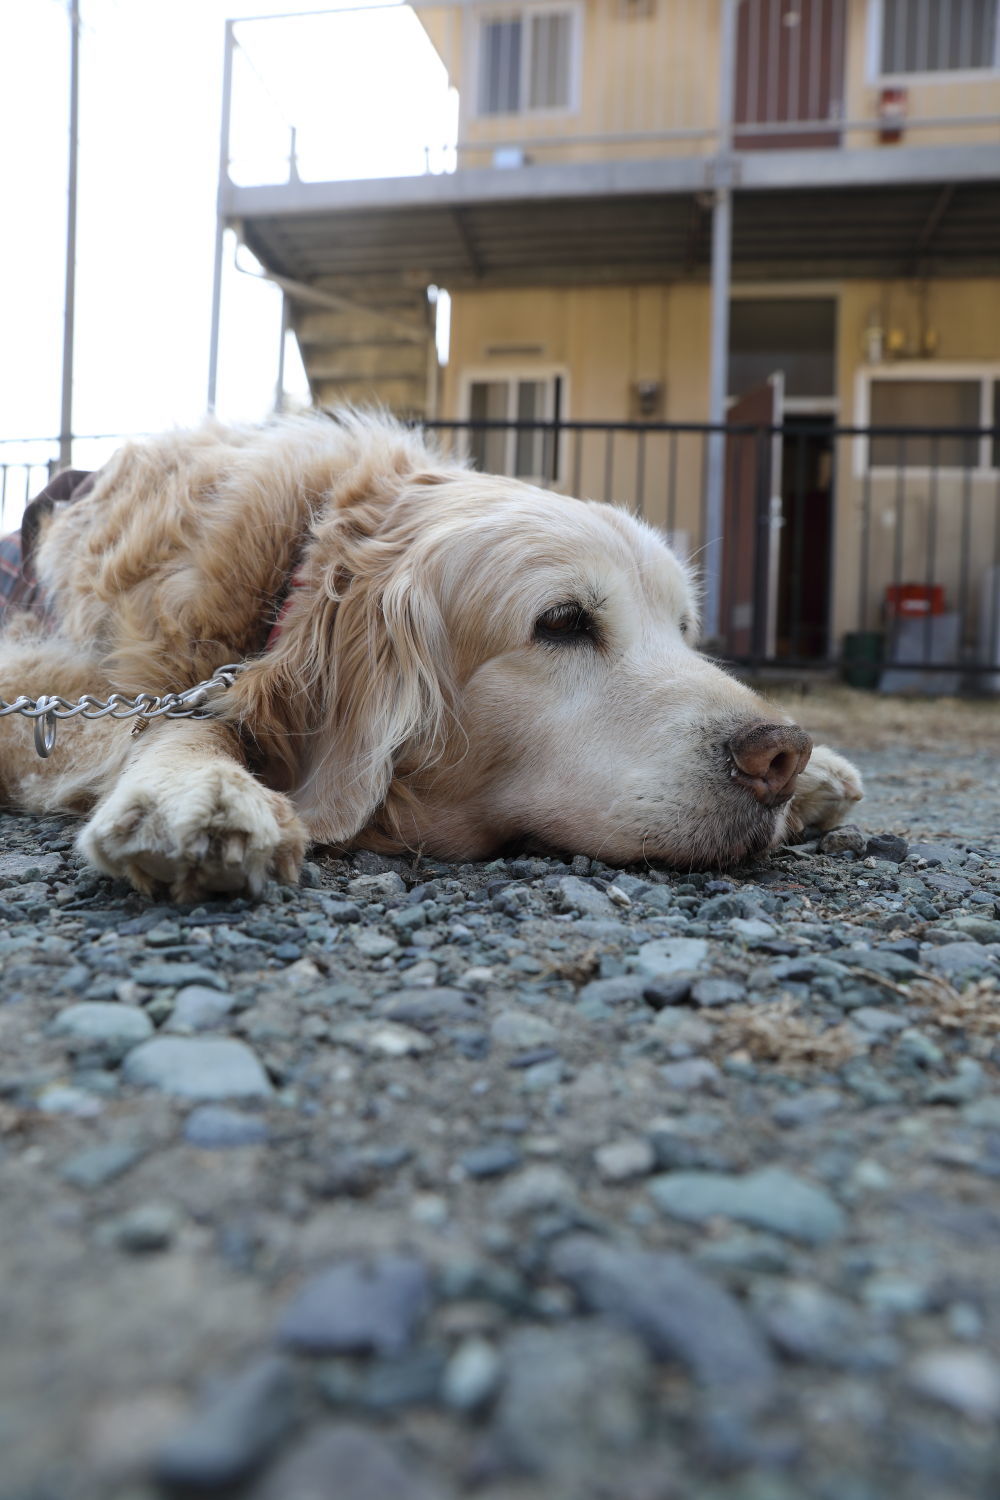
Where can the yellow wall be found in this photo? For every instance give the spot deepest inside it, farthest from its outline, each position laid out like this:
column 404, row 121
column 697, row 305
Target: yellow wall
column 606, row 338
column 657, row 74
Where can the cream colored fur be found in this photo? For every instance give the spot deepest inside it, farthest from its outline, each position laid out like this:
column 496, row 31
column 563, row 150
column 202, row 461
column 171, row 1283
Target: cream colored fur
column 408, row 703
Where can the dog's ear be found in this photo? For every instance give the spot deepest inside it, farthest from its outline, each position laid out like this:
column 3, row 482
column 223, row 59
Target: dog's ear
column 359, row 678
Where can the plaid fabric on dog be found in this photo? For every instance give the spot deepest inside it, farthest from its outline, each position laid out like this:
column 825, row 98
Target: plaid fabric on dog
column 16, row 591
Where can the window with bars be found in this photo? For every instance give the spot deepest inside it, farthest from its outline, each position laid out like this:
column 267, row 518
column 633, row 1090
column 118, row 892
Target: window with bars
column 939, row 36
column 525, row 61
column 522, row 452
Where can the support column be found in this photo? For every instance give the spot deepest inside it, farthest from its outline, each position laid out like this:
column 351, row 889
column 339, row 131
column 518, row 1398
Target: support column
column 722, row 233
column 69, row 301
column 220, row 217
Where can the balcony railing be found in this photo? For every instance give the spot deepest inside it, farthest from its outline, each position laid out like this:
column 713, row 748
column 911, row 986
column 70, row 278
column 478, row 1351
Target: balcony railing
column 389, row 89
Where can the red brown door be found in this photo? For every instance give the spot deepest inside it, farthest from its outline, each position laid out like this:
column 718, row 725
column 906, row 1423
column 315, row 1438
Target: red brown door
column 789, row 68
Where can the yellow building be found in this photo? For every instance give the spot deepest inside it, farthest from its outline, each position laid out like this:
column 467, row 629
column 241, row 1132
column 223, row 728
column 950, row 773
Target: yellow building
column 657, row 214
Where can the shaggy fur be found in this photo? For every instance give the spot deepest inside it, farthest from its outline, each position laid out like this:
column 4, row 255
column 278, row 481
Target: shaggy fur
column 418, row 695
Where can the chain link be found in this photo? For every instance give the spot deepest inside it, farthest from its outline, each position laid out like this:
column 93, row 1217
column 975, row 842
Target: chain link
column 189, row 703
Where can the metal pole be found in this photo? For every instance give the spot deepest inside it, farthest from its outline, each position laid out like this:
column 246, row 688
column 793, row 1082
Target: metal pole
column 69, row 300
column 279, row 383
column 220, row 218
column 722, row 215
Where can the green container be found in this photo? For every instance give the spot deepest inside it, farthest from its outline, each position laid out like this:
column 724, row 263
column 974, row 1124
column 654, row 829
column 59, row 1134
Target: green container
column 863, row 651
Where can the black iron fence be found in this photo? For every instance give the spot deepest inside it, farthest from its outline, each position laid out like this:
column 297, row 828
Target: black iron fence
column 875, row 550
column 872, row 550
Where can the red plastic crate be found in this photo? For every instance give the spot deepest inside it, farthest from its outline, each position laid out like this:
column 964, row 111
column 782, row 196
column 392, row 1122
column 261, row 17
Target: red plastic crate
column 914, row 599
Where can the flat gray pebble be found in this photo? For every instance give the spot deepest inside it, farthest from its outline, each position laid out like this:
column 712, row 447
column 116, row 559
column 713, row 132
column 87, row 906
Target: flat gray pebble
column 358, row 1306
column 215, row 1127
column 772, row 1198
column 240, row 1421
column 198, row 1068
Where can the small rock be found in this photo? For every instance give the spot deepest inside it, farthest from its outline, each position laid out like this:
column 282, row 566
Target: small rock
column 535, row 1190
column 426, row 1009
column 887, row 846
column 805, row 1108
column 520, row 1028
column 358, row 1307
column 471, row 1375
column 620, row 1161
column 671, row 956
column 19, row 869
column 99, row 1164
column 490, row 1161
column 148, row 1228
column 385, row 887
column 573, row 894
column 845, row 840
column 708, row 992
column 214, row 1127
column 346, row 1460
column 878, row 1022
column 177, row 975
column 114, row 1029
column 198, row 1008
column 957, row 959
column 692, row 1073
column 569, row 1397
column 967, row 1380
column 771, row 1198
column 198, row 1068
column 373, row 944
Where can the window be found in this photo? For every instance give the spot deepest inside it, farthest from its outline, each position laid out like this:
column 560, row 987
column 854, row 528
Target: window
column 525, row 62
column 523, row 453
column 796, row 335
column 938, row 36
column 960, row 399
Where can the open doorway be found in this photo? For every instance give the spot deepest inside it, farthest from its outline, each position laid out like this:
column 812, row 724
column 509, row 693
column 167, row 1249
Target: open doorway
column 804, row 560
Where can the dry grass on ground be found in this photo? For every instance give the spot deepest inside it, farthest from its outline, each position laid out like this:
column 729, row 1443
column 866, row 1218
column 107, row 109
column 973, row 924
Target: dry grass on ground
column 856, row 720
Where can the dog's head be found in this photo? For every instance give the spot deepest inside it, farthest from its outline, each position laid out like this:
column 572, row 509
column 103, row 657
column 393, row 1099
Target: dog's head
column 470, row 662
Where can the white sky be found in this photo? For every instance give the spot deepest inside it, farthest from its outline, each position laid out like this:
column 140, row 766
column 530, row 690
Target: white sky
column 366, row 91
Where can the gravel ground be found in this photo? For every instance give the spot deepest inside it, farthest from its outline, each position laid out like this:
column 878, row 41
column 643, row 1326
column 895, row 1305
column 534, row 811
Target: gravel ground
column 528, row 1179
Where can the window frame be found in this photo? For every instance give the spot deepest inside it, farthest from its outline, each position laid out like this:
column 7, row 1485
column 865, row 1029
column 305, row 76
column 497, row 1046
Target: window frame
column 988, row 376
column 525, row 13
column 510, row 375
column 878, row 75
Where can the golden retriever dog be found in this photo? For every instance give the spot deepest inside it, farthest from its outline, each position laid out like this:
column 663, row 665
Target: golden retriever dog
column 434, row 660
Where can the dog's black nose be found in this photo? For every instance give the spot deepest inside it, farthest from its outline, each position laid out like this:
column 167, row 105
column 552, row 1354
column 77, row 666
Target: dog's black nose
column 767, row 759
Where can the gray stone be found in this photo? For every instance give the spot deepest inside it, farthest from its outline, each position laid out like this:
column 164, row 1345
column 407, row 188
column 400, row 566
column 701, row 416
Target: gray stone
column 426, row 1009
column 980, row 929
column 198, row 1008
column 964, row 1084
column 373, row 944
column 622, row 989
column 147, row 1228
column 621, row 1161
column 198, row 1068
column 573, row 894
column 888, row 846
column 671, row 956
column 471, row 1375
column 984, row 1113
column 175, row 976
column 956, row 959
column 214, row 1127
column 967, row 1380
column 809, row 1323
column 678, row 1311
column 948, row 884
column 385, row 887
column 845, row 840
column 113, row 1029
column 878, row 961
column 490, row 1161
column 692, row 1073
column 521, row 1028
column 878, row 1022
column 805, row 1108
column 708, row 992
column 771, row 1198
column 938, row 854
column 99, row 1164
column 571, row 1396
column 358, row 1307
column 348, row 1461
column 19, row 869
column 535, row 1190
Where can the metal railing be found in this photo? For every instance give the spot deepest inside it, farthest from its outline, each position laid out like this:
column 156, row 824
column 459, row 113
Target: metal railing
column 390, row 89
column 873, row 550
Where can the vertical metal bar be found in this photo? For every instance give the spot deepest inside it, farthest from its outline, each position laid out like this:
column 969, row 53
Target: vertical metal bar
column 866, row 536
column 829, row 648
column 220, row 212
column 4, row 468
column 994, row 642
column 279, row 379
column 609, row 464
column 577, row 460
column 965, row 558
column 640, row 472
column 672, row 487
column 719, row 357
column 930, row 569
column 759, row 539
column 69, row 302
column 799, row 548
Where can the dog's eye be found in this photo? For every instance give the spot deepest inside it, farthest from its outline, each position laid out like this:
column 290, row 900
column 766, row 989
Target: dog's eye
column 685, row 627
column 569, row 623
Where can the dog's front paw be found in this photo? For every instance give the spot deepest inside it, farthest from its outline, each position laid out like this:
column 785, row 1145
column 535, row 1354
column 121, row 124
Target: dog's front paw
column 827, row 791
column 212, row 829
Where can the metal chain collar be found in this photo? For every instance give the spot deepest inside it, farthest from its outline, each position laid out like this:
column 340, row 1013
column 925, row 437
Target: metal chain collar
column 187, row 704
